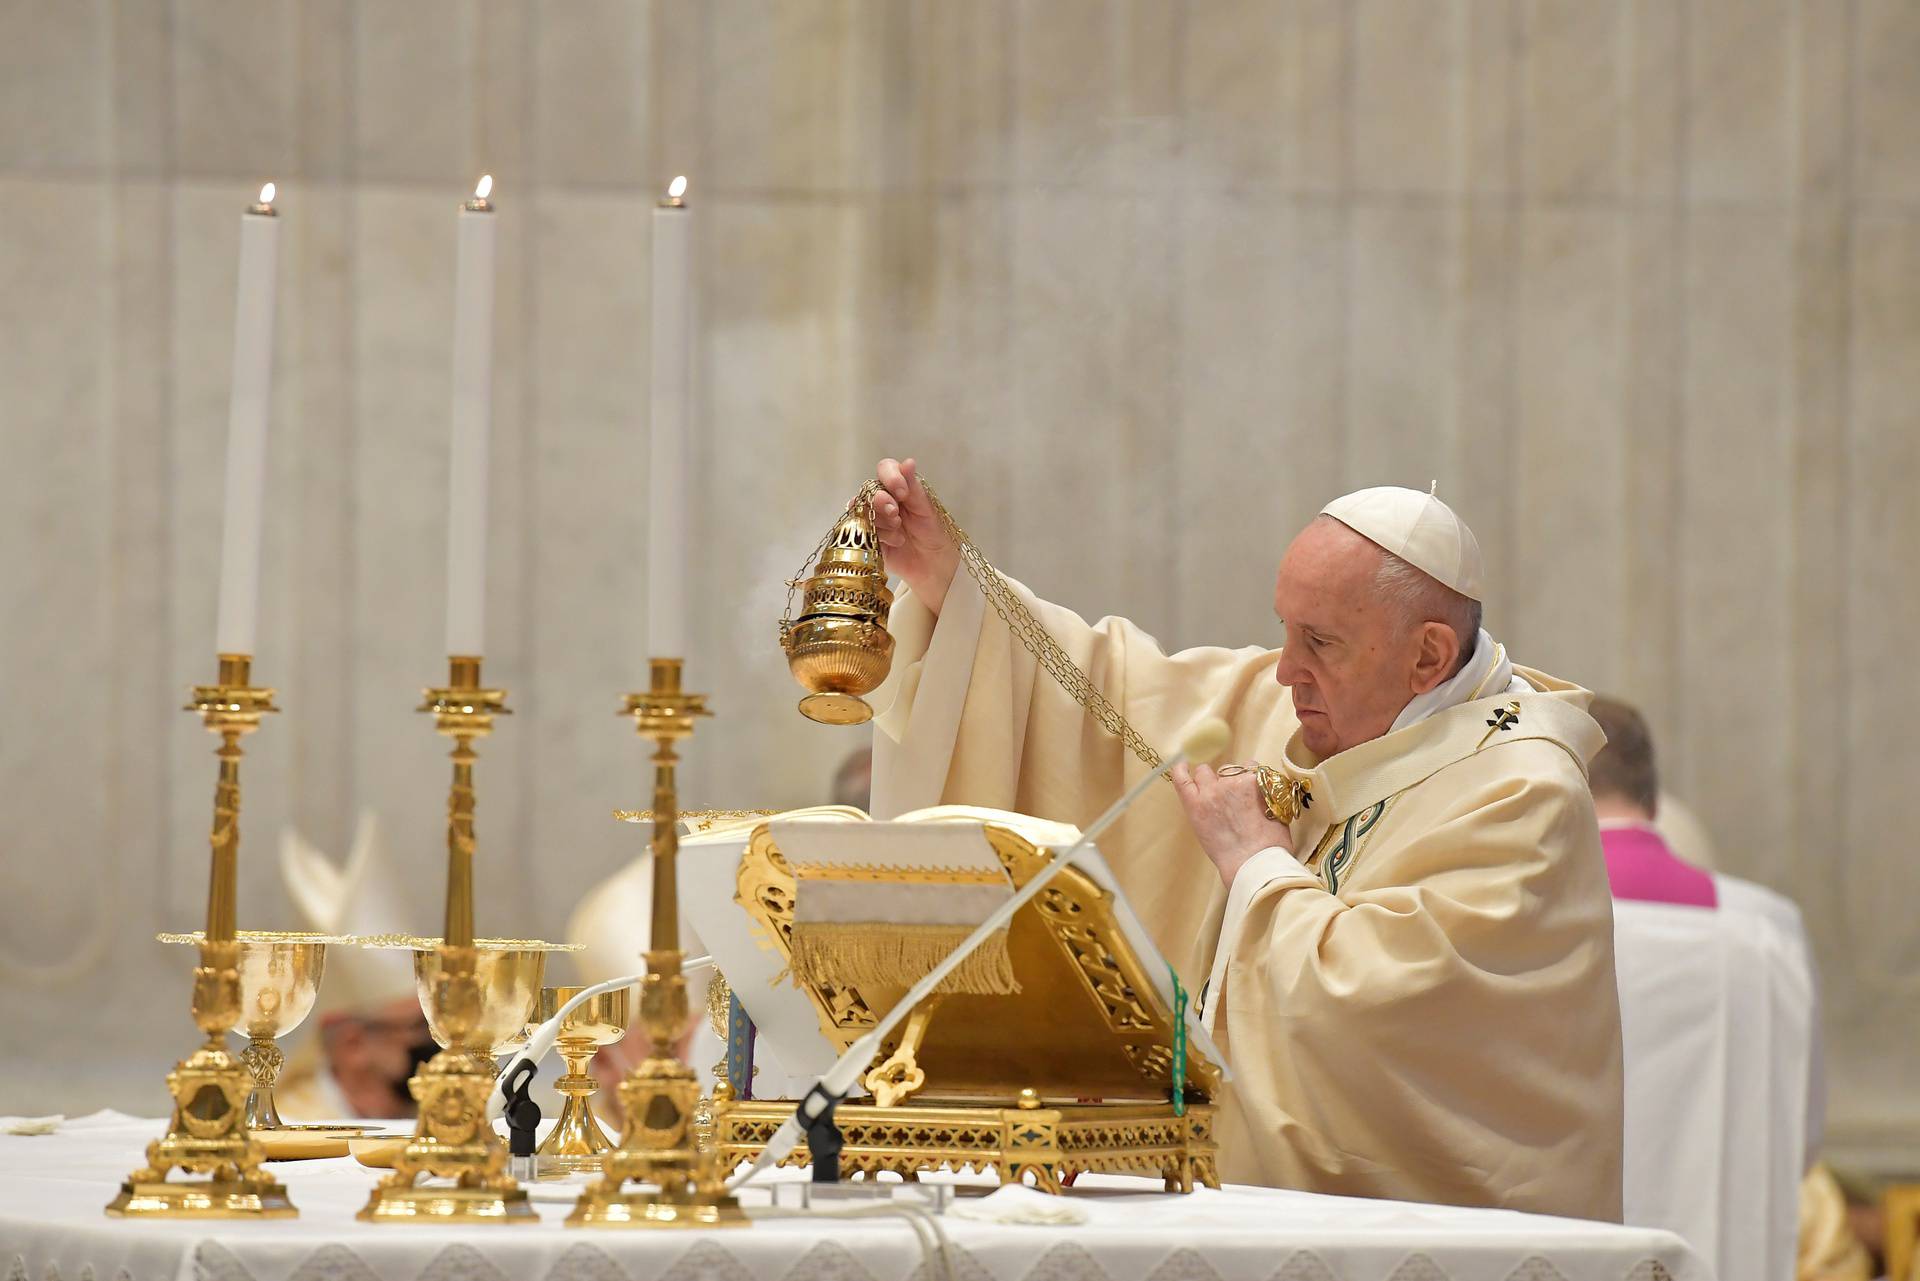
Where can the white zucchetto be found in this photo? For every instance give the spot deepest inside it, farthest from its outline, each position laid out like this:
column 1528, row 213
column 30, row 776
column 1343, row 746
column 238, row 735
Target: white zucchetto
column 1419, row 529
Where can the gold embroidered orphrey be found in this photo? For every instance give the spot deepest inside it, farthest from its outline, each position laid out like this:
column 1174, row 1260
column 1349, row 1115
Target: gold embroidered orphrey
column 1000, row 1081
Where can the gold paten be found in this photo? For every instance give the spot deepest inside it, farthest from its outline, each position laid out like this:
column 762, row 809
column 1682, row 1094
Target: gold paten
column 279, row 981
column 1086, row 1024
column 207, row 1134
column 839, row 648
column 577, row 1141
column 658, row 1145
column 452, row 1138
column 698, row 820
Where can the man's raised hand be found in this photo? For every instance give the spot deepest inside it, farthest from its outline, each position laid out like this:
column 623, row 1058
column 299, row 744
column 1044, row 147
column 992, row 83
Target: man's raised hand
column 912, row 536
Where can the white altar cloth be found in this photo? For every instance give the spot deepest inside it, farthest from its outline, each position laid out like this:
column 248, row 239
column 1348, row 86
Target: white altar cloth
column 52, row 1189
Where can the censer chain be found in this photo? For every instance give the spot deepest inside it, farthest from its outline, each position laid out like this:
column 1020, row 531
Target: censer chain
column 1037, row 640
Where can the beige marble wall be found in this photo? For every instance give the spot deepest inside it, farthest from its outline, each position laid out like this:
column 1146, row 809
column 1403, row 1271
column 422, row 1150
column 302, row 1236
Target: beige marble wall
column 1142, row 283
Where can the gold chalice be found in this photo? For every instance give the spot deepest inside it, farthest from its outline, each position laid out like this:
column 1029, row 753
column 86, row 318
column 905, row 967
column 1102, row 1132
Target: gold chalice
column 577, row 1141
column 509, row 972
column 279, row 981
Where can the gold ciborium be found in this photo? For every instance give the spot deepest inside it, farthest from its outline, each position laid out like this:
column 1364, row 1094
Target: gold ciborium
column 280, row 974
column 577, row 1141
column 839, row 648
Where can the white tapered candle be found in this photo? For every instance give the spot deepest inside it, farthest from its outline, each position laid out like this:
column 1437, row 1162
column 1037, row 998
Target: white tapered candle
column 247, row 406
column 668, row 427
column 470, row 426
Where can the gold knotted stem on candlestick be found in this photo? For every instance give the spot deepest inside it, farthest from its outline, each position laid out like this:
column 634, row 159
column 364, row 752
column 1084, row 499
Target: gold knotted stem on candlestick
column 465, row 716
column 453, row 1138
column 658, row 1145
column 208, row 1134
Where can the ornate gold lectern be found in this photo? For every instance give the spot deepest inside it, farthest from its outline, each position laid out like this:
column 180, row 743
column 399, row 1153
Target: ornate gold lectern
column 1085, row 1067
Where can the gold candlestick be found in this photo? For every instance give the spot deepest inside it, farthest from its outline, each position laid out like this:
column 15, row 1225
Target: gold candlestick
column 208, row 1133
column 657, row 1144
column 453, row 1138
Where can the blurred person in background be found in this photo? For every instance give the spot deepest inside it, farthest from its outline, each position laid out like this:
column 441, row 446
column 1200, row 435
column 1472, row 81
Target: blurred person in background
column 1642, row 866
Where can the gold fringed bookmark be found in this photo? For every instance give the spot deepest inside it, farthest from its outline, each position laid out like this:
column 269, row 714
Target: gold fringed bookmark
column 879, row 954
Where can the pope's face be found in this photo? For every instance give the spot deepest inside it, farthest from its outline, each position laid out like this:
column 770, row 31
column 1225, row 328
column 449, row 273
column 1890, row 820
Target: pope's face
column 1349, row 657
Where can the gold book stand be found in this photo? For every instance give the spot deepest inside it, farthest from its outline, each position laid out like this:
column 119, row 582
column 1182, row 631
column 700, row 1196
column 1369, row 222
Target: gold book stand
column 1073, row 1073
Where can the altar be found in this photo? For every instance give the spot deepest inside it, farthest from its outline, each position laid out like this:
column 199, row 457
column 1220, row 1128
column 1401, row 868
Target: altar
column 51, row 1187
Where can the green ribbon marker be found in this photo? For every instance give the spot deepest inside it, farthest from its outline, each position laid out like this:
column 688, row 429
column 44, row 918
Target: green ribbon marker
column 1179, row 1044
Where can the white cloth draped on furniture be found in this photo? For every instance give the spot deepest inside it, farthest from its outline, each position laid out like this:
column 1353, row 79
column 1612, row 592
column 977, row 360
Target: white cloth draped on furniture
column 52, row 1189
column 1717, row 1021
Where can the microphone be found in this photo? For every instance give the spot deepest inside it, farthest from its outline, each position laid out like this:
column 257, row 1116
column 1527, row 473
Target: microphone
column 1203, row 742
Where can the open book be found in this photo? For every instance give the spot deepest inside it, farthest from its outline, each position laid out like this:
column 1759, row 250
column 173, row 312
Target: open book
column 1081, row 1008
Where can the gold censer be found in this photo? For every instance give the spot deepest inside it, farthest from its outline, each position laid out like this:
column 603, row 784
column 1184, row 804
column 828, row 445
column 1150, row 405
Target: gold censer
column 453, row 1138
column 207, row 1134
column 839, row 648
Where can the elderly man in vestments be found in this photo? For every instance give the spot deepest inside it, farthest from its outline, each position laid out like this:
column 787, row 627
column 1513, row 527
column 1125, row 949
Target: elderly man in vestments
column 1401, row 915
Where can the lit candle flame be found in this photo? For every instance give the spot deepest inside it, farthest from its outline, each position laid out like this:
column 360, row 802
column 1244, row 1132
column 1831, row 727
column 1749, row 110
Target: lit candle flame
column 485, row 188
column 266, row 194
column 677, row 188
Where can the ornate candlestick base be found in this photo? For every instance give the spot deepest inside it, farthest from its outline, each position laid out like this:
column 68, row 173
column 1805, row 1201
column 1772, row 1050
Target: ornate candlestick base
column 453, row 1138
column 207, row 1134
column 658, row 1145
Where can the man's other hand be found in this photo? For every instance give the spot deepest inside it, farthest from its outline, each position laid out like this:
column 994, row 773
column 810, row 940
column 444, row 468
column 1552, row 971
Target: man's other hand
column 1228, row 815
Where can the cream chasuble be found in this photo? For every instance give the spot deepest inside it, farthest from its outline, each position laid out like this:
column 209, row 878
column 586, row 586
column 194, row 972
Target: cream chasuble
column 1442, row 1024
